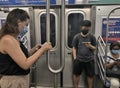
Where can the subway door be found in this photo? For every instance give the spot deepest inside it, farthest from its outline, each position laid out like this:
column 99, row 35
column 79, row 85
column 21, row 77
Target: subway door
column 73, row 18
column 44, row 77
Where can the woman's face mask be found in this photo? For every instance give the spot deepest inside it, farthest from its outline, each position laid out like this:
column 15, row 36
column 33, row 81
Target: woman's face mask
column 23, row 32
column 115, row 51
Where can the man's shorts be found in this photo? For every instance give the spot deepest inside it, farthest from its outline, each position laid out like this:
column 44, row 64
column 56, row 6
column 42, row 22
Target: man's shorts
column 79, row 66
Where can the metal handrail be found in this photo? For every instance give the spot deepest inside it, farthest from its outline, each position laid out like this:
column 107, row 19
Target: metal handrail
column 100, row 37
column 102, row 76
column 101, row 54
column 101, row 46
column 101, row 63
column 48, row 34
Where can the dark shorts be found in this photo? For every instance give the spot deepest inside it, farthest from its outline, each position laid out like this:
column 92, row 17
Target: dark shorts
column 79, row 66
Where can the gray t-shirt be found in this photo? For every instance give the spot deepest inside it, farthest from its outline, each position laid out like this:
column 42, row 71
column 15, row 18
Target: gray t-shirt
column 84, row 53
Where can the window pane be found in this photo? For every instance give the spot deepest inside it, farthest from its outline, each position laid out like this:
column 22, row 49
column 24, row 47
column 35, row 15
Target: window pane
column 52, row 29
column 73, row 26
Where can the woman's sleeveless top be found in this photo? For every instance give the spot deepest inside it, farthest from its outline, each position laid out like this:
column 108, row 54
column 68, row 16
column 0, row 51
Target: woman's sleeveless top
column 9, row 67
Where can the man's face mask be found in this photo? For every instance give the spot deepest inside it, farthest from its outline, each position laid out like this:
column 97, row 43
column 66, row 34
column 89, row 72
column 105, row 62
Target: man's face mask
column 23, row 32
column 85, row 31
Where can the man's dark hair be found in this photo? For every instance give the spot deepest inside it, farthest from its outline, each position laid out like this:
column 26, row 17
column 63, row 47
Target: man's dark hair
column 86, row 23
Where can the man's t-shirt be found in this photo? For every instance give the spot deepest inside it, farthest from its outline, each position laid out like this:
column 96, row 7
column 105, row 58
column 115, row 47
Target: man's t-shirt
column 84, row 53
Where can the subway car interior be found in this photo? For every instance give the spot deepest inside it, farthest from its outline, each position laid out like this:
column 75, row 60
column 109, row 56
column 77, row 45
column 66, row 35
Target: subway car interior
column 58, row 21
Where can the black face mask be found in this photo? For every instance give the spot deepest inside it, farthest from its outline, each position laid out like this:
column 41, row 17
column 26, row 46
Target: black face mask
column 85, row 32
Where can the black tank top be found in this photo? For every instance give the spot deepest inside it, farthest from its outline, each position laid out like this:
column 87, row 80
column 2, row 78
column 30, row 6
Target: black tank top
column 9, row 67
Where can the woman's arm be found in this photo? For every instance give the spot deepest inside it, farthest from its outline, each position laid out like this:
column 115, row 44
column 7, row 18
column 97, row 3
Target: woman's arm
column 34, row 49
column 110, row 65
column 11, row 47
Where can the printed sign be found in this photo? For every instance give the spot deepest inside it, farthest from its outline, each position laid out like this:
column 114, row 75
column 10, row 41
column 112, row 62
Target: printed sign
column 113, row 29
column 25, row 2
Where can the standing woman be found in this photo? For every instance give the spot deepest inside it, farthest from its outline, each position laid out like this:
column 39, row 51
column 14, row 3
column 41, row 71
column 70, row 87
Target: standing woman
column 15, row 61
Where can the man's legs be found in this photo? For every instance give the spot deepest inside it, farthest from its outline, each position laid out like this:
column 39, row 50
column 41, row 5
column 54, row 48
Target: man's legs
column 77, row 70
column 76, row 80
column 90, row 73
column 90, row 81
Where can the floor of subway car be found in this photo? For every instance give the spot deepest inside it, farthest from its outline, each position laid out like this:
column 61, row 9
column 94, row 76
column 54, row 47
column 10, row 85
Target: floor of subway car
column 97, row 84
column 53, row 87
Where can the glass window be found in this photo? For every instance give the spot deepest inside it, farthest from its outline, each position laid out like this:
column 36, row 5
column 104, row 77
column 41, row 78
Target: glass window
column 52, row 29
column 73, row 26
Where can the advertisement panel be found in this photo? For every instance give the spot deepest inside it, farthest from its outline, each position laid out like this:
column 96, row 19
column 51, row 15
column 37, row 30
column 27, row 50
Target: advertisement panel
column 113, row 29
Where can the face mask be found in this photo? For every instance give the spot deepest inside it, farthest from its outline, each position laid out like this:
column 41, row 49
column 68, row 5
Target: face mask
column 115, row 52
column 85, row 32
column 23, row 32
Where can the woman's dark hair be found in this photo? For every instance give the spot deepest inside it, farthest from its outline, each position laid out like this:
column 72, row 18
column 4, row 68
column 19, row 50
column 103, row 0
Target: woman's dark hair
column 11, row 24
column 113, row 44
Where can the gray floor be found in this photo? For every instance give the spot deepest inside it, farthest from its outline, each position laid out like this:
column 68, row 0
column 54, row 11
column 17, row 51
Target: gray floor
column 97, row 84
column 51, row 87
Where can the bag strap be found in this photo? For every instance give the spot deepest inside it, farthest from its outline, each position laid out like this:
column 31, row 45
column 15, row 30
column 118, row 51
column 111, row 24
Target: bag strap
column 111, row 58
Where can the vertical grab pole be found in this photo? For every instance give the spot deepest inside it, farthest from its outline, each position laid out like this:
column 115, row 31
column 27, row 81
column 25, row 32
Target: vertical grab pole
column 63, row 33
column 48, row 26
column 48, row 21
column 55, row 71
column 107, row 29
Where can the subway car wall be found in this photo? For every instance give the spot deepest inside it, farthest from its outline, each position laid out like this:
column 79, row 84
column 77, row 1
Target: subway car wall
column 40, row 76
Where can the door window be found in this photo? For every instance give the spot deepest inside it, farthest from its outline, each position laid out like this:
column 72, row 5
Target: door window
column 52, row 29
column 73, row 26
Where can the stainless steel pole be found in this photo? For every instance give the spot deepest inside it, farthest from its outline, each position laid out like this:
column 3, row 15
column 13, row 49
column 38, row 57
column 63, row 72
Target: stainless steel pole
column 62, row 40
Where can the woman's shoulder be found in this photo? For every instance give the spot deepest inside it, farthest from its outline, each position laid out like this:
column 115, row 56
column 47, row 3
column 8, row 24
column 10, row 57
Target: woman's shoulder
column 109, row 55
column 6, row 42
column 8, row 39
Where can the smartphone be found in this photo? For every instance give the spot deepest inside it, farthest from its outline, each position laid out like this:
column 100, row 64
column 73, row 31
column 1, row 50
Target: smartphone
column 85, row 42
